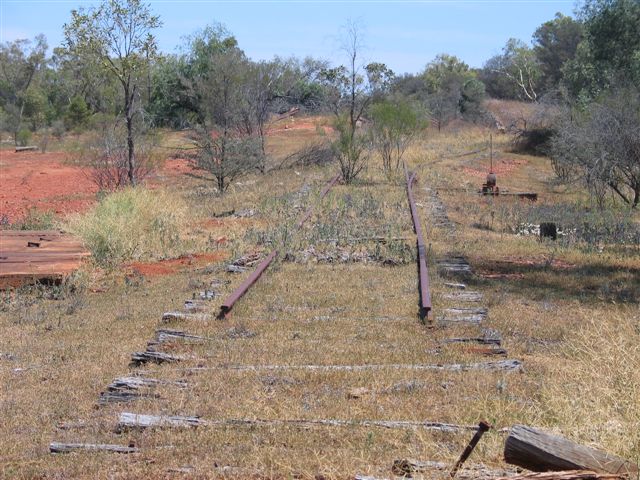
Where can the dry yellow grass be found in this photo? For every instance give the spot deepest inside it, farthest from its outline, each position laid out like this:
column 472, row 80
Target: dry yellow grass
column 578, row 339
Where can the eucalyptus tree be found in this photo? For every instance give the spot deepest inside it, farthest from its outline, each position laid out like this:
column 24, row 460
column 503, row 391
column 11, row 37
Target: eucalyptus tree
column 600, row 145
column 519, row 64
column 396, row 123
column 117, row 36
column 349, row 90
column 21, row 62
column 215, row 83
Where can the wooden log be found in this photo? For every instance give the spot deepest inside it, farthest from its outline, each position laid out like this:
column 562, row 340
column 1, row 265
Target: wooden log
column 164, row 335
column 473, row 319
column 466, row 311
column 464, row 296
column 236, row 269
column 184, row 316
column 540, row 451
column 140, row 358
column 30, row 148
column 207, row 294
column 501, row 365
column 489, row 337
column 568, row 475
column 462, row 267
column 124, row 396
column 195, row 306
column 129, row 421
column 457, row 286
column 56, row 447
column 138, row 383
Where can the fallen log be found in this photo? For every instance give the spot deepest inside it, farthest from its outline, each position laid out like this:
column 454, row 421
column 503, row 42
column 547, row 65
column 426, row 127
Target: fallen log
column 56, row 447
column 30, row 148
column 540, row 451
column 129, row 421
column 567, row 475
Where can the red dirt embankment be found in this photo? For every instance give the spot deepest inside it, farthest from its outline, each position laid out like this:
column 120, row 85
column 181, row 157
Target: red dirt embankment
column 42, row 181
column 45, row 181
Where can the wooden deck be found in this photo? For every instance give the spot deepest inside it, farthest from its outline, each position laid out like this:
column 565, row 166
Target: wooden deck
column 28, row 257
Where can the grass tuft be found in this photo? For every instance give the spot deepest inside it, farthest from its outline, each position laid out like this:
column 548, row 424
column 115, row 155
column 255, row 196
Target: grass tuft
column 132, row 224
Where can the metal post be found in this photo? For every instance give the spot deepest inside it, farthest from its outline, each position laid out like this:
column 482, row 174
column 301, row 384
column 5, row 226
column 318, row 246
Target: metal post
column 482, row 428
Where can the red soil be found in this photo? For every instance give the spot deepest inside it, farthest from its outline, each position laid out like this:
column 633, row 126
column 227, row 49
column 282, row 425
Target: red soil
column 177, row 167
column 45, row 182
column 42, row 181
column 167, row 267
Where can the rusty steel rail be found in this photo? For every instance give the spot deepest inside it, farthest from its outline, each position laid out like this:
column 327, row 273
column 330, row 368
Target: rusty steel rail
column 423, row 272
column 244, row 287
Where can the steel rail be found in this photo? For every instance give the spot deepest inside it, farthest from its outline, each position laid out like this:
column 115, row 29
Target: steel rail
column 244, row 287
column 423, row 272
column 237, row 294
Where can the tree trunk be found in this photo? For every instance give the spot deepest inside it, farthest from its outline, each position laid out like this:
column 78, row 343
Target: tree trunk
column 131, row 161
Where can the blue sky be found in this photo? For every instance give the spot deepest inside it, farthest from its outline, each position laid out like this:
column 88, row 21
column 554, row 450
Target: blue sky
column 405, row 35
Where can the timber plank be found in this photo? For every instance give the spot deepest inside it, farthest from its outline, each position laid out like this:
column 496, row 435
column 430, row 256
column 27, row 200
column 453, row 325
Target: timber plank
column 540, row 451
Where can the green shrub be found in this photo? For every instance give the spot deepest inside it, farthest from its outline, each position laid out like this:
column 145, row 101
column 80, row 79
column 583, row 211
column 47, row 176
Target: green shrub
column 77, row 114
column 132, row 224
column 23, row 137
column 35, row 220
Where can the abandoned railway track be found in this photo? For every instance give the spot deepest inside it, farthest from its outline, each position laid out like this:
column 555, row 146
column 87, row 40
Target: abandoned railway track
column 206, row 354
